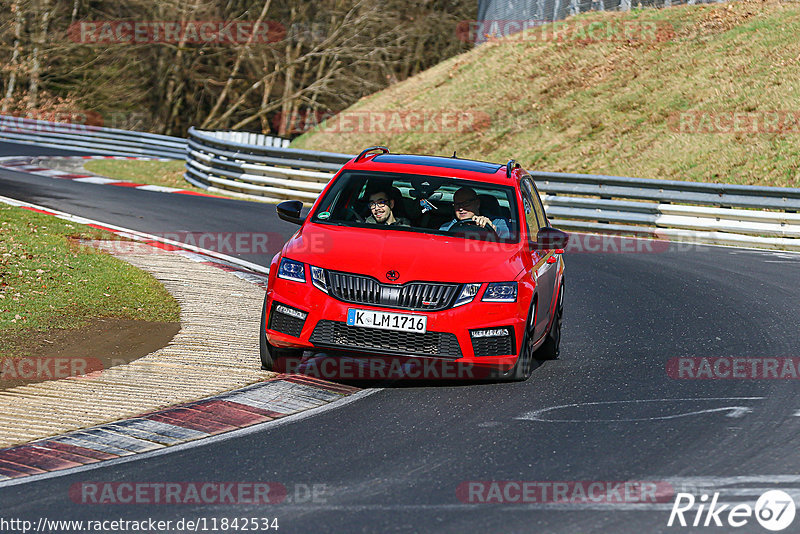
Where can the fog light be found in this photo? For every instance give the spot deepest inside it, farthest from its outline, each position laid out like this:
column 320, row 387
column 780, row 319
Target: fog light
column 291, row 312
column 491, row 332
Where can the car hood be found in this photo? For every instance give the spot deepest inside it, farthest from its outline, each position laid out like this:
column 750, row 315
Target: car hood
column 412, row 255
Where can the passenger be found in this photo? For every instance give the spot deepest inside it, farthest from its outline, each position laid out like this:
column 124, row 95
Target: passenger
column 467, row 208
column 381, row 206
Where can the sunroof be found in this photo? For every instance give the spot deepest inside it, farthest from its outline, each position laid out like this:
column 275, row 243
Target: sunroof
column 436, row 161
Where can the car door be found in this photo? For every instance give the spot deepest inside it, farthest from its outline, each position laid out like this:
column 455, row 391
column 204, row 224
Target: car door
column 544, row 272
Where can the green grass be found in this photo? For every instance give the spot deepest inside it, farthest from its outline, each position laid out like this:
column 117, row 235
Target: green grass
column 49, row 280
column 164, row 173
column 608, row 107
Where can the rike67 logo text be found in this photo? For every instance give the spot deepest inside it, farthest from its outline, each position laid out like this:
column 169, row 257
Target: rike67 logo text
column 774, row 510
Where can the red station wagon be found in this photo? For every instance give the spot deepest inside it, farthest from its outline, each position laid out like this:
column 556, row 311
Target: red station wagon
column 423, row 257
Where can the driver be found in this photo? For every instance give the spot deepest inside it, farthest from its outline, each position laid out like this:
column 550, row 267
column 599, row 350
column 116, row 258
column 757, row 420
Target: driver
column 381, row 206
column 467, row 208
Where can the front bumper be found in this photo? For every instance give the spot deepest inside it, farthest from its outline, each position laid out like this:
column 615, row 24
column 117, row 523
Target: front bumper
column 323, row 326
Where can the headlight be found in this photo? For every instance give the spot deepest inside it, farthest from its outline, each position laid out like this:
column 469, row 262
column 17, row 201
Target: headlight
column 318, row 278
column 292, row 270
column 468, row 293
column 500, row 292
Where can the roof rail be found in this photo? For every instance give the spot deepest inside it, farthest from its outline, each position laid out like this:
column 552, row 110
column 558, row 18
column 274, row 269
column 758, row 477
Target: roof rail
column 510, row 166
column 366, row 151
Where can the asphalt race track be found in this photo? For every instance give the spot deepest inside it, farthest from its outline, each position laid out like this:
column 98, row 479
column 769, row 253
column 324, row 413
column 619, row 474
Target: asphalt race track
column 393, row 460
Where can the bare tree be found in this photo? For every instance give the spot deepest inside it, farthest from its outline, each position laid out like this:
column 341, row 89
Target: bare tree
column 235, row 71
column 38, row 49
column 333, row 53
column 19, row 21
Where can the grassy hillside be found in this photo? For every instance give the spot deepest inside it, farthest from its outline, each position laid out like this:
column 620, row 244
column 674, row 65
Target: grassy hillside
column 660, row 105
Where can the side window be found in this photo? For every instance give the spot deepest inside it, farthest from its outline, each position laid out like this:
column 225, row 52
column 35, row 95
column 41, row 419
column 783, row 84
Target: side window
column 538, row 207
column 526, row 204
column 534, row 214
column 537, row 203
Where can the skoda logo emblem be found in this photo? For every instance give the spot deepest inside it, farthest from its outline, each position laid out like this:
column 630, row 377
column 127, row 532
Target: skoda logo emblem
column 392, row 275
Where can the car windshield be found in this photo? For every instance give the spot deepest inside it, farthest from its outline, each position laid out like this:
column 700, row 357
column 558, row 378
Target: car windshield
column 419, row 203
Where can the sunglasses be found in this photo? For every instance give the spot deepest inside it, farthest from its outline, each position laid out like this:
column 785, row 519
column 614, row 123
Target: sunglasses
column 379, row 202
column 464, row 204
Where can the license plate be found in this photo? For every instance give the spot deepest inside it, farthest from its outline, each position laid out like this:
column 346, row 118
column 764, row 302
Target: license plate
column 402, row 322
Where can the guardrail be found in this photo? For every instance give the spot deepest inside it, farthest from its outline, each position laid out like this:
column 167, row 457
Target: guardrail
column 90, row 139
column 765, row 217
column 260, row 166
column 217, row 162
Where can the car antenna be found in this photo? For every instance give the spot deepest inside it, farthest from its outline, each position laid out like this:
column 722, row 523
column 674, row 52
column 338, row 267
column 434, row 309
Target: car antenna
column 454, row 154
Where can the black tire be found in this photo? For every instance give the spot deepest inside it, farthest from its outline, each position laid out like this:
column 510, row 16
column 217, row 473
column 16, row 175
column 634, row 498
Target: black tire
column 270, row 355
column 551, row 347
column 267, row 363
column 523, row 369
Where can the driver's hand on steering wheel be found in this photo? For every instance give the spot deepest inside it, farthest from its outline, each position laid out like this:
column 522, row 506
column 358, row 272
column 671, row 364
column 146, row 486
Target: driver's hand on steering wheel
column 482, row 221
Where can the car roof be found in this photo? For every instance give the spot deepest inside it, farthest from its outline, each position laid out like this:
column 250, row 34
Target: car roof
column 468, row 169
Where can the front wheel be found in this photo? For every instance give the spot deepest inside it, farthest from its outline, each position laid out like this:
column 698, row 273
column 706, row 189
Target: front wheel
column 271, row 355
column 523, row 369
column 551, row 347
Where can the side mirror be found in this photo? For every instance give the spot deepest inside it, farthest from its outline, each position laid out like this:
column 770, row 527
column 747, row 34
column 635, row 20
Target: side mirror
column 289, row 210
column 550, row 238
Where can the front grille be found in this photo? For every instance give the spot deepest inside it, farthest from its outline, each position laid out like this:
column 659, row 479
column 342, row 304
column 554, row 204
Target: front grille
column 285, row 324
column 338, row 335
column 427, row 295
column 359, row 289
column 493, row 346
column 354, row 288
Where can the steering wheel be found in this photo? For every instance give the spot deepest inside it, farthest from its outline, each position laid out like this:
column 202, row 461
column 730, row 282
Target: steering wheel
column 357, row 216
column 468, row 226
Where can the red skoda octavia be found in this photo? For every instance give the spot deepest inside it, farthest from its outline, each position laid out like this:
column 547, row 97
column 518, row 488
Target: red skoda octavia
column 422, row 257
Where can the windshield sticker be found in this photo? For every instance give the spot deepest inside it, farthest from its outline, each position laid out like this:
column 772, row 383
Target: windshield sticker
column 426, row 206
column 324, row 215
